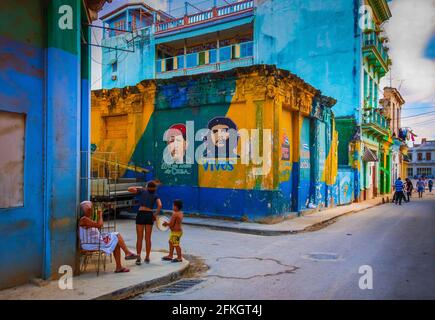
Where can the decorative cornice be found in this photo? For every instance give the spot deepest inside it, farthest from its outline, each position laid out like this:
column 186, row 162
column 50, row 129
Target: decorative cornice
column 381, row 9
column 254, row 83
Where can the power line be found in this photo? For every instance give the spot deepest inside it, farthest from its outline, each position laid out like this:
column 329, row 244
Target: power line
column 418, row 115
column 415, row 108
column 425, row 122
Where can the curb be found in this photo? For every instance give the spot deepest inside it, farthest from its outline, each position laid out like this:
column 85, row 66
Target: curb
column 242, row 230
column 140, row 288
column 271, row 233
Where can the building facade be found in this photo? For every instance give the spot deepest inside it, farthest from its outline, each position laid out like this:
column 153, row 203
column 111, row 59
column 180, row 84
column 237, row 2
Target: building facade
column 44, row 119
column 422, row 162
column 392, row 104
column 298, row 173
column 345, row 56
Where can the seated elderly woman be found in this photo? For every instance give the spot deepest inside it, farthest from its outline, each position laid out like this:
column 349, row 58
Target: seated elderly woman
column 92, row 239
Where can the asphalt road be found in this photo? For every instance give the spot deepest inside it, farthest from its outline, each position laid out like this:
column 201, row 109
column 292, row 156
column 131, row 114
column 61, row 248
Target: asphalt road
column 396, row 242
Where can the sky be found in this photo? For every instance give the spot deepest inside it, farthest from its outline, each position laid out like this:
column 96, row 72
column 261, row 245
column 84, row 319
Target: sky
column 411, row 32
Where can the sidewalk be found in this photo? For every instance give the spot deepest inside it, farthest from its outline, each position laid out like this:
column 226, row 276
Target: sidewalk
column 107, row 286
column 290, row 226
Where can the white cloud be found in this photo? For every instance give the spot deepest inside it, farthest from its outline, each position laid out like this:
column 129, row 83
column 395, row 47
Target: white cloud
column 409, row 32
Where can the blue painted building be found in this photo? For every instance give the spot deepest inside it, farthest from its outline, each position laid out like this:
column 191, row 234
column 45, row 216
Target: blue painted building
column 153, row 44
column 44, row 124
column 338, row 46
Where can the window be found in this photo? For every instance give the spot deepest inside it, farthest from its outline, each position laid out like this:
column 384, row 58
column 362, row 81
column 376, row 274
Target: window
column 116, row 127
column 133, row 23
column 201, row 58
column 410, row 156
column 420, row 156
column 119, row 25
column 191, row 60
column 114, row 67
column 12, row 135
column 376, row 95
column 213, row 56
column 410, row 172
column 428, row 156
column 180, row 62
column 424, row 172
column 365, row 84
column 225, row 54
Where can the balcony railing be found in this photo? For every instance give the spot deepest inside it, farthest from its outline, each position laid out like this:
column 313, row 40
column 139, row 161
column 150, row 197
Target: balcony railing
column 375, row 118
column 371, row 40
column 214, row 13
column 224, row 58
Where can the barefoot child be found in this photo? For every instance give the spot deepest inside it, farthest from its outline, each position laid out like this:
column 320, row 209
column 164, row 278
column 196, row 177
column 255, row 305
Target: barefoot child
column 176, row 232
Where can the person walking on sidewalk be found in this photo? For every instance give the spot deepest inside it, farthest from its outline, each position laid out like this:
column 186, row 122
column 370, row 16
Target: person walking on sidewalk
column 430, row 185
column 145, row 217
column 409, row 189
column 398, row 196
column 420, row 187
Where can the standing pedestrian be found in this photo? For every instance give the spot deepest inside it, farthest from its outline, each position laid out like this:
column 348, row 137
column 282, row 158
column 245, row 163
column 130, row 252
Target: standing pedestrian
column 405, row 192
column 145, row 217
column 398, row 186
column 420, row 187
column 176, row 232
column 430, row 184
column 409, row 189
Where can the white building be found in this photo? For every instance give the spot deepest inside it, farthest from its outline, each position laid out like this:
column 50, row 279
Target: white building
column 422, row 158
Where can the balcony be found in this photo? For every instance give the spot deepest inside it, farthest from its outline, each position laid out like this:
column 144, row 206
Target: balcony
column 375, row 123
column 213, row 60
column 374, row 49
column 215, row 13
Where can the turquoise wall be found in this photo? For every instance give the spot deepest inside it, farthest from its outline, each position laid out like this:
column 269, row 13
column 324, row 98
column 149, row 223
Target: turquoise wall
column 133, row 66
column 317, row 40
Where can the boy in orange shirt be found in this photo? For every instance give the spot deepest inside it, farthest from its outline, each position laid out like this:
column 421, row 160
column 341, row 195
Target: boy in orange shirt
column 175, row 224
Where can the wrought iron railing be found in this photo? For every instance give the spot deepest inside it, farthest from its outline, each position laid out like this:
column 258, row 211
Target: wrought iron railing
column 374, row 117
column 238, row 7
column 207, row 61
column 371, row 39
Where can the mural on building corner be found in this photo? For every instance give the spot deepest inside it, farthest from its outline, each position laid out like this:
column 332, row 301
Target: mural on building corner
column 226, row 108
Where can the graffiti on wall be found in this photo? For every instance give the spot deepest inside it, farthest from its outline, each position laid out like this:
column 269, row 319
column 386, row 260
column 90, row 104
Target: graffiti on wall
column 345, row 186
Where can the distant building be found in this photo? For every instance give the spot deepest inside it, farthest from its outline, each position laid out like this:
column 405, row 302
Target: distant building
column 392, row 105
column 422, row 158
